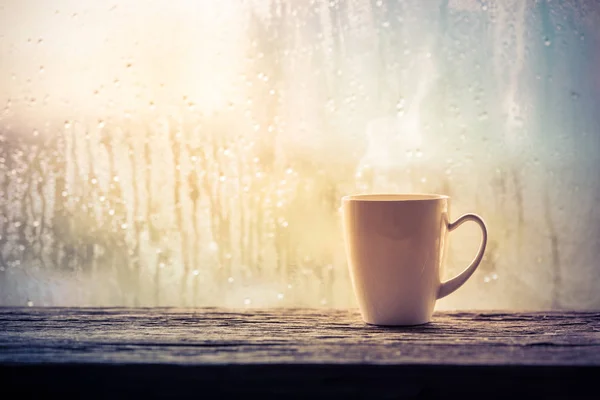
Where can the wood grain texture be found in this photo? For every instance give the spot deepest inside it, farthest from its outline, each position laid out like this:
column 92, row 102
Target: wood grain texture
column 317, row 354
column 294, row 336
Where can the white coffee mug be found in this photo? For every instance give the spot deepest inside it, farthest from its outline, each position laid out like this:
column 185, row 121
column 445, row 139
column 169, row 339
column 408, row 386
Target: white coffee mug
column 396, row 245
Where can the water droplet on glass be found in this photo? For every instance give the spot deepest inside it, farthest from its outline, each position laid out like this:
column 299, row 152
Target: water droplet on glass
column 196, row 272
column 29, row 303
column 111, row 212
column 280, row 296
column 116, row 178
column 486, row 279
column 67, row 124
column 123, row 226
column 400, row 107
column 247, row 301
column 575, row 95
column 213, row 246
column 41, row 69
column 547, row 42
column 230, row 279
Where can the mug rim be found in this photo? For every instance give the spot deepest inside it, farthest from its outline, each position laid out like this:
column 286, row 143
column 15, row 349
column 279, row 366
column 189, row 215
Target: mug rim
column 395, row 197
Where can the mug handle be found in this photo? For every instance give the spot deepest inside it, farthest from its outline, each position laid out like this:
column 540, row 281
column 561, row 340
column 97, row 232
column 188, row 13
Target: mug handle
column 451, row 285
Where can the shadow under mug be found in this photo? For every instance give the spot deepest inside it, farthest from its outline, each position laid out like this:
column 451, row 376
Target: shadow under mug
column 396, row 245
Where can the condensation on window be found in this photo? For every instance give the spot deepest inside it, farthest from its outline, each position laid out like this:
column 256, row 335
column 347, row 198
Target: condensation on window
column 193, row 153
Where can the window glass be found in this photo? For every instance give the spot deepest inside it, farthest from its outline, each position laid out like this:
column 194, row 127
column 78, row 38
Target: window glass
column 195, row 152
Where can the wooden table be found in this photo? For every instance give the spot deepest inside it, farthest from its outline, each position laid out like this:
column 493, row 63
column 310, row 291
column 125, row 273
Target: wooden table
column 286, row 353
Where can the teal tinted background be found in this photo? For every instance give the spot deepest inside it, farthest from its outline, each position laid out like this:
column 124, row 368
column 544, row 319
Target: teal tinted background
column 195, row 152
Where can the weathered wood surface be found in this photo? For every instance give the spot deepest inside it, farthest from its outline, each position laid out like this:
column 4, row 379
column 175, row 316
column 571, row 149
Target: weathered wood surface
column 216, row 336
column 134, row 353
